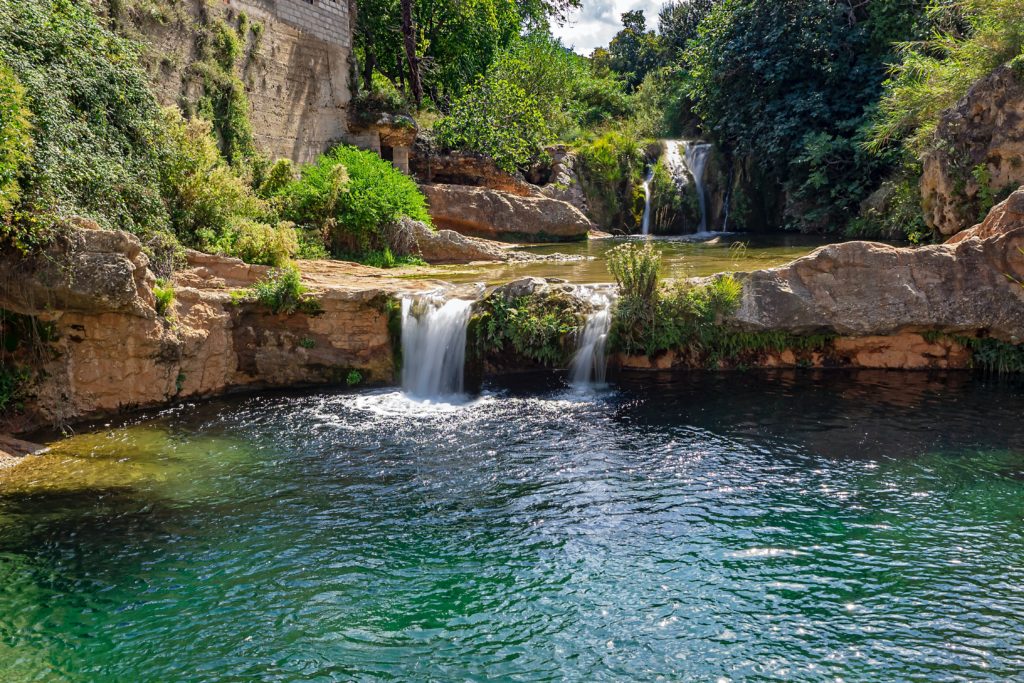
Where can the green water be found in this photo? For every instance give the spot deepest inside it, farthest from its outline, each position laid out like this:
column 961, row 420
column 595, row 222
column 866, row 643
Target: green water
column 733, row 527
column 681, row 258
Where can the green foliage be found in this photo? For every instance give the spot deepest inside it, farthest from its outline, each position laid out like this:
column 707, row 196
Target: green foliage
column 611, row 172
column 353, row 196
column 649, row 318
column 163, row 291
column 384, row 258
column 95, row 123
column 354, row 378
column 988, row 354
column 539, row 327
column 14, row 381
column 283, row 293
column 15, row 141
column 634, row 51
column 307, row 343
column 224, row 102
column 933, row 74
column 497, row 118
column 259, row 243
column 206, row 199
column 899, row 218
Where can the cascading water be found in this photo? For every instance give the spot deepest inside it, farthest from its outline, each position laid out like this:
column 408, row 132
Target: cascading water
column 589, row 365
column 645, row 228
column 685, row 160
column 697, row 154
column 434, row 345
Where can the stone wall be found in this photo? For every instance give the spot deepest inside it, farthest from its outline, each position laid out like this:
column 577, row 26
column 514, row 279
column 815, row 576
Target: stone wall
column 296, row 73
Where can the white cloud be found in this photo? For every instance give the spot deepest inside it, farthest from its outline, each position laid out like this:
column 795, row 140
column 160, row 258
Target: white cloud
column 597, row 22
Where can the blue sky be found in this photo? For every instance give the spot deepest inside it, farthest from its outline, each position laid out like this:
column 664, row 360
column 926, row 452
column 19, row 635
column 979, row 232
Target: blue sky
column 597, row 22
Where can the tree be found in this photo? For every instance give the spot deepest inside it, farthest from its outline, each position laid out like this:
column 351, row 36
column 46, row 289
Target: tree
column 678, row 22
column 409, row 38
column 634, row 50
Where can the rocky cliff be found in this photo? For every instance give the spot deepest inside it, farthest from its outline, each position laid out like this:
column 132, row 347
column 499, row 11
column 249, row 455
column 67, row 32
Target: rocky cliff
column 106, row 350
column 978, row 153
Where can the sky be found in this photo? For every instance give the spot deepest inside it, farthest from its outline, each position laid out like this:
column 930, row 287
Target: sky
column 597, row 22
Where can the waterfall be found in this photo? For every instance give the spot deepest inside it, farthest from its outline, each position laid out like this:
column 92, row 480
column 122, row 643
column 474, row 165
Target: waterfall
column 589, row 365
column 646, row 227
column 689, row 159
column 697, row 154
column 434, row 345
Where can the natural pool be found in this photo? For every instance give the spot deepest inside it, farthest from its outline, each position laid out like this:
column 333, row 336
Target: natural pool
column 681, row 258
column 717, row 527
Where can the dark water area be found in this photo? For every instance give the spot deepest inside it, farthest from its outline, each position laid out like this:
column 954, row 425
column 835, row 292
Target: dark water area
column 731, row 526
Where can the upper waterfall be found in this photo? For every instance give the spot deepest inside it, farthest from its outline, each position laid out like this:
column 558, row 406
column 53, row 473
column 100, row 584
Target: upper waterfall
column 686, row 160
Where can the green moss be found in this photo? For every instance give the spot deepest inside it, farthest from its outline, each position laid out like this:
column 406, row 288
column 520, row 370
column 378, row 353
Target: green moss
column 393, row 311
column 354, row 378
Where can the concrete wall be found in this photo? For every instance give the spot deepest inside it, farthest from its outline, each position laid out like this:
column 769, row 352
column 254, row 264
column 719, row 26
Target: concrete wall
column 297, row 79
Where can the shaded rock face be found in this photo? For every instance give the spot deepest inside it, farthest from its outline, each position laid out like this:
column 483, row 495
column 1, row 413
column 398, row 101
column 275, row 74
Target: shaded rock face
column 111, row 352
column 464, row 168
column 984, row 130
column 868, row 289
column 504, row 216
column 564, row 182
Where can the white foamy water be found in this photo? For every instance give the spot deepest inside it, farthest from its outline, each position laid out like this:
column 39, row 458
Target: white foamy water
column 434, row 346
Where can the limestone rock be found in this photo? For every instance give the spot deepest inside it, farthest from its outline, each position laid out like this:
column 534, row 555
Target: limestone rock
column 1004, row 217
column 465, row 168
column 84, row 270
column 504, row 216
column 869, row 289
column 986, row 128
column 443, row 246
column 564, row 183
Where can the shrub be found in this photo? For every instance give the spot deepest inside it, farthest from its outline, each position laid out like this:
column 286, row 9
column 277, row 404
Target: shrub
column 539, row 327
column 15, row 140
column 649, row 318
column 283, row 293
column 13, row 383
column 354, row 378
column 933, row 75
column 163, row 290
column 206, row 198
column 259, row 243
column 497, row 118
column 611, row 172
column 352, row 195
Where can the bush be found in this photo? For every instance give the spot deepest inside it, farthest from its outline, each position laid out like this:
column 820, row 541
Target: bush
column 611, row 173
column 13, row 384
column 497, row 118
column 206, row 198
column 352, row 195
column 15, row 141
column 260, row 243
column 283, row 293
column 539, row 327
column 933, row 75
column 649, row 318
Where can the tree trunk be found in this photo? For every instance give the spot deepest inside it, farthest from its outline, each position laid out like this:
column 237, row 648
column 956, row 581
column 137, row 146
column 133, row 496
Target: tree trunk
column 368, row 67
column 409, row 33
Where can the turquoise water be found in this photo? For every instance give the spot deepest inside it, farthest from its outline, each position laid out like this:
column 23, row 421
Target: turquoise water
column 720, row 527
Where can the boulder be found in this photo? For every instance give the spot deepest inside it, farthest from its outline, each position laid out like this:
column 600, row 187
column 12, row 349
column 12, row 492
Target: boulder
column 443, row 246
column 84, row 270
column 985, row 130
column 1004, row 217
column 869, row 289
column 480, row 212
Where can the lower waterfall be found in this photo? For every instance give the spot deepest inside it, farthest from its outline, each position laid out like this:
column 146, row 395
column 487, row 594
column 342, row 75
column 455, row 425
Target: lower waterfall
column 434, row 346
column 589, row 365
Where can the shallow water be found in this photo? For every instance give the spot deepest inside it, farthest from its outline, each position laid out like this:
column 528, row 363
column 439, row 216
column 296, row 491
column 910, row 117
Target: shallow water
column 719, row 527
column 681, row 258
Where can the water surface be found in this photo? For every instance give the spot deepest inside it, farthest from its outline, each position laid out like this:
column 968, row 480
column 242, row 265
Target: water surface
column 681, row 258
column 725, row 527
